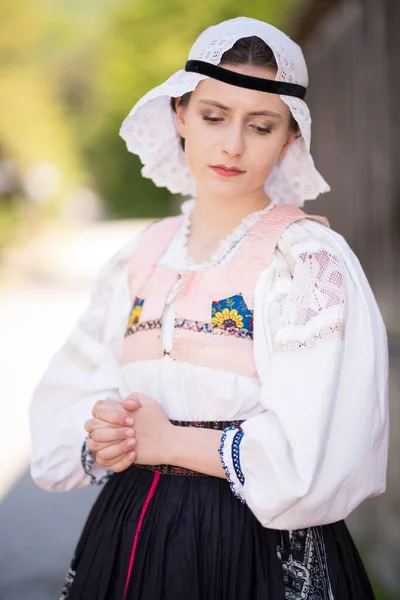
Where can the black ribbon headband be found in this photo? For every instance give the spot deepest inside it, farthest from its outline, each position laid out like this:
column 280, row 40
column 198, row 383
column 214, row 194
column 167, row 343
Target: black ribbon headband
column 246, row 81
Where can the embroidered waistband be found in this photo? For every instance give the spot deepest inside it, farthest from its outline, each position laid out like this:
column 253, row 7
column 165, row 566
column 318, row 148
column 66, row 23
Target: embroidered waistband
column 227, row 328
column 173, row 470
column 217, row 425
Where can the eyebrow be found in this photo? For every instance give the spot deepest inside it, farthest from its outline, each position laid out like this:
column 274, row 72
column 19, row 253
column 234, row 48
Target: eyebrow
column 257, row 113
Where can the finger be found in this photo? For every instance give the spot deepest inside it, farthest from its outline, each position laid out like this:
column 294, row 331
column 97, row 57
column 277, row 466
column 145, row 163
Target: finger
column 112, row 451
column 95, row 446
column 104, row 404
column 115, row 416
column 126, row 457
column 92, row 424
column 112, row 434
column 132, row 402
column 109, row 463
column 125, row 462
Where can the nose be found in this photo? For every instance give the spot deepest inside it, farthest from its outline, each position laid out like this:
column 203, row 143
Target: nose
column 233, row 143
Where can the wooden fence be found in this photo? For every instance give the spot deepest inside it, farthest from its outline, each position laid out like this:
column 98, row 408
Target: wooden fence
column 352, row 49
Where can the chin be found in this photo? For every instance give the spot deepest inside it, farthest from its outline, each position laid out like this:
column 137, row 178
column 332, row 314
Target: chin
column 227, row 188
column 232, row 189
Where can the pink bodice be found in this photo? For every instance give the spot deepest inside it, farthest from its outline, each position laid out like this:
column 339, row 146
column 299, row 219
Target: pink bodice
column 214, row 307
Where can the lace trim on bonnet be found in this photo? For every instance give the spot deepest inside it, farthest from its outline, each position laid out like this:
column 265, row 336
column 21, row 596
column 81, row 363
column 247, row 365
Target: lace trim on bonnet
column 150, row 128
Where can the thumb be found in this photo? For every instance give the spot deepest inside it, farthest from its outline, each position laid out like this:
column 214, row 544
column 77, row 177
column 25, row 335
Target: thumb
column 132, row 402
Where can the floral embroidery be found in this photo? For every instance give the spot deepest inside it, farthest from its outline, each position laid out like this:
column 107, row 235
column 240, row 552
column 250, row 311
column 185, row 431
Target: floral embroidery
column 136, row 311
column 143, row 326
column 69, row 580
column 232, row 313
column 204, row 327
column 304, row 565
column 230, row 316
column 191, row 325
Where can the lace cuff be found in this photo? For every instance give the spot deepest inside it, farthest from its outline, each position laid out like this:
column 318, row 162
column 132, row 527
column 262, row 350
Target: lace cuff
column 229, row 452
column 98, row 475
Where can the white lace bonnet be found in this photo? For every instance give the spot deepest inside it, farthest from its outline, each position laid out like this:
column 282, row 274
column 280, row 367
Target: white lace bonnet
column 150, row 128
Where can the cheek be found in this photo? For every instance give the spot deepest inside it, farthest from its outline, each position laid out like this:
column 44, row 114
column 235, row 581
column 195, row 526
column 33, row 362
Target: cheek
column 194, row 155
column 197, row 145
column 265, row 152
column 200, row 134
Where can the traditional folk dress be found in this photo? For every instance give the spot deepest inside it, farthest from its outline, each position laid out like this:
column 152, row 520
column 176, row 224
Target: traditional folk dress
column 278, row 343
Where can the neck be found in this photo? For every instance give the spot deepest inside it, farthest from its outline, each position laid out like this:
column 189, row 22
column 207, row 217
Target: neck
column 214, row 217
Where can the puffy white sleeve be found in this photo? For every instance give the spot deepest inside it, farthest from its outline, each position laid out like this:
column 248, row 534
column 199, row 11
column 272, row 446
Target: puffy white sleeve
column 83, row 371
column 319, row 447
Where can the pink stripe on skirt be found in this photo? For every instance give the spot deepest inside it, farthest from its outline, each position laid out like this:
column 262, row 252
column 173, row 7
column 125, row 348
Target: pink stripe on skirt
column 139, row 527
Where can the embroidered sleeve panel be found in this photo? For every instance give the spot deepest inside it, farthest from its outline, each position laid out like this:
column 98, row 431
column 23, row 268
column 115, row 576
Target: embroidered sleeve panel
column 229, row 451
column 98, row 475
column 307, row 306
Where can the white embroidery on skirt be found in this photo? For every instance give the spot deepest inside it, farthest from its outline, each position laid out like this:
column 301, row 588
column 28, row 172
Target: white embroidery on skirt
column 68, row 584
column 304, row 565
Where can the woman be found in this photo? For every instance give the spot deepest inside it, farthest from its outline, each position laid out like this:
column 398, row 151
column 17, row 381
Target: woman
column 233, row 358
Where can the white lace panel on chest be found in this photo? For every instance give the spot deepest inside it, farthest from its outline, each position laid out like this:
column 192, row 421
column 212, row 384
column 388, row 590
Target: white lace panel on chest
column 307, row 305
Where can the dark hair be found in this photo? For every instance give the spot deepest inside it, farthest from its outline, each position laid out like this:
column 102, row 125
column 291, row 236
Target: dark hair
column 252, row 51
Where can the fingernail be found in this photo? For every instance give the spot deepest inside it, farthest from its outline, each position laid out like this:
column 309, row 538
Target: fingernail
column 129, row 421
column 129, row 432
column 130, row 443
column 131, row 398
column 132, row 456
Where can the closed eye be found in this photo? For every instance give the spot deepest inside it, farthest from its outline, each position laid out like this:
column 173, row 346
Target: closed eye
column 212, row 119
column 261, row 130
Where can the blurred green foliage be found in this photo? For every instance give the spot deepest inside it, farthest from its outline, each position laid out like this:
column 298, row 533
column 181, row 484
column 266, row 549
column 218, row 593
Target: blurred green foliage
column 69, row 74
column 382, row 594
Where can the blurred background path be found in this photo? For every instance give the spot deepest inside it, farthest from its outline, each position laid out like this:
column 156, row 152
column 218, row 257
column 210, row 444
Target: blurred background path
column 49, row 283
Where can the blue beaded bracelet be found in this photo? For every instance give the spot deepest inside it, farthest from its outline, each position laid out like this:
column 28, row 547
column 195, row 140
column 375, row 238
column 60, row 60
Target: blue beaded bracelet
column 225, row 466
column 236, row 455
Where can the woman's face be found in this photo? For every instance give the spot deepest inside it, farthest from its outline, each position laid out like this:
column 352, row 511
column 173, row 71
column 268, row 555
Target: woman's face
column 228, row 126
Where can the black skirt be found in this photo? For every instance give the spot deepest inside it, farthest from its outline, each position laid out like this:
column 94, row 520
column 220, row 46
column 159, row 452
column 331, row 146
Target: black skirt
column 166, row 534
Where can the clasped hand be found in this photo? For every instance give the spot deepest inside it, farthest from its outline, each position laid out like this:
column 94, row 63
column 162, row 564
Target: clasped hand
column 135, row 430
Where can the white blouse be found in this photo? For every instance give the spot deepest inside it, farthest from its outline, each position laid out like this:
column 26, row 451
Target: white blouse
column 316, row 422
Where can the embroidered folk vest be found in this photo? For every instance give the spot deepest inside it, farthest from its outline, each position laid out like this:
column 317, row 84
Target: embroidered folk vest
column 214, row 308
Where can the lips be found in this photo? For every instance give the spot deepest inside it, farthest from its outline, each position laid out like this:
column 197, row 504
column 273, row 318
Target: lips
column 226, row 171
